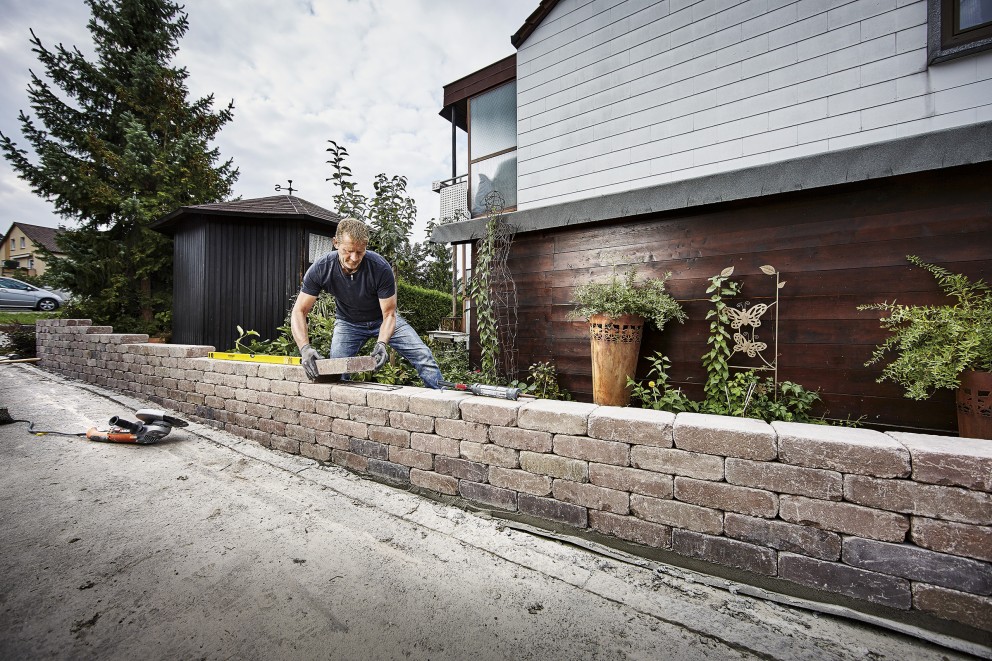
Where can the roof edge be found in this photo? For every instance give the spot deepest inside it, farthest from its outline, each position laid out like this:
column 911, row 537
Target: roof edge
column 919, row 153
column 532, row 21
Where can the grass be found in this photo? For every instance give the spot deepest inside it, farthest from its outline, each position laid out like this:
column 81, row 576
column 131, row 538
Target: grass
column 26, row 317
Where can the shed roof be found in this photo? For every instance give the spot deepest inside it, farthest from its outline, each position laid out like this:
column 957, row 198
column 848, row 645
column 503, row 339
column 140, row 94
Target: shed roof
column 275, row 207
column 532, row 22
column 40, row 235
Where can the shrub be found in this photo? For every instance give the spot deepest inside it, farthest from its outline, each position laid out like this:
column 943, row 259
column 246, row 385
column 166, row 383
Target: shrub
column 423, row 308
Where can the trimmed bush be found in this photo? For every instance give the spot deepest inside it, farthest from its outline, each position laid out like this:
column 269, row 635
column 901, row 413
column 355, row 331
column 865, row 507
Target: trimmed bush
column 423, row 308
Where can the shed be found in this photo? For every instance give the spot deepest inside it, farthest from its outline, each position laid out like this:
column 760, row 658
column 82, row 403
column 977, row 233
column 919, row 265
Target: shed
column 240, row 264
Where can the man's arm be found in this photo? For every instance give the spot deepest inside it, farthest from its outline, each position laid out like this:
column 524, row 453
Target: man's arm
column 388, row 306
column 298, row 319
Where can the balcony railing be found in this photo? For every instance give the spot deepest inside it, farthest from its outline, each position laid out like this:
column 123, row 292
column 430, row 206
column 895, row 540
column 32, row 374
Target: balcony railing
column 454, row 198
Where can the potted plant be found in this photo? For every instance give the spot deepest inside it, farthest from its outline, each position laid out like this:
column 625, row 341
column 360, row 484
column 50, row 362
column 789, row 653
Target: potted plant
column 617, row 310
column 943, row 346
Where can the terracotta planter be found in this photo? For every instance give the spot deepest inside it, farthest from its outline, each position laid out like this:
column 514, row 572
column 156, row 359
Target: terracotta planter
column 615, row 344
column 974, row 404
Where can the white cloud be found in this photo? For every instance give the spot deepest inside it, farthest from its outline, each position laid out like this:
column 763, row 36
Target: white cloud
column 366, row 73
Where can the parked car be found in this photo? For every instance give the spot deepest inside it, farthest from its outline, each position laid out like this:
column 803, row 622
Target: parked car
column 17, row 294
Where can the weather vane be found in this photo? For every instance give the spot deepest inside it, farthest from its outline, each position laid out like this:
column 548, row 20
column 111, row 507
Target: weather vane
column 289, row 188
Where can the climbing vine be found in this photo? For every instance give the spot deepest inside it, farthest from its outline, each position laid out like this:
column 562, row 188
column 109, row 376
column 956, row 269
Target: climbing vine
column 716, row 361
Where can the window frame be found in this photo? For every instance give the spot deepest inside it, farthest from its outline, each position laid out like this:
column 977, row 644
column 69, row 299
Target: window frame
column 942, row 42
column 473, row 159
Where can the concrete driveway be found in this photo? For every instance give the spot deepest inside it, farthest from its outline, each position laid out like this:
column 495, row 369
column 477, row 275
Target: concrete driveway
column 208, row 546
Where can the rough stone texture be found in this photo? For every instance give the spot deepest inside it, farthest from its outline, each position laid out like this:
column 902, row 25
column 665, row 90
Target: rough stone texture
column 390, row 436
column 369, row 415
column 858, row 583
column 936, row 502
column 676, row 514
column 463, row 470
column 559, row 467
column 412, row 458
column 411, row 422
column 633, row 480
column 969, row 609
column 369, row 449
column 520, row 480
column 955, row 538
column 726, row 497
column 289, row 445
column 631, row 529
column 919, row 565
column 437, row 403
column 950, row 461
column 331, row 440
column 331, row 409
column 461, row 430
column 859, row 451
column 727, row 552
column 348, row 394
column 389, row 471
column 844, row 518
column 493, row 455
column 677, row 462
column 783, row 536
column 589, row 449
column 438, row 445
column 501, row 412
column 348, row 428
column 488, row 495
column 350, row 460
column 320, row 391
column 521, row 439
column 555, row 416
column 553, row 510
column 725, row 435
column 592, row 497
column 785, row 478
column 392, row 400
column 440, row 483
column 628, row 425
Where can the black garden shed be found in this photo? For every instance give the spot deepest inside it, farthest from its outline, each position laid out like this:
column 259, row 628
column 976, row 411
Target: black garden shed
column 240, row 263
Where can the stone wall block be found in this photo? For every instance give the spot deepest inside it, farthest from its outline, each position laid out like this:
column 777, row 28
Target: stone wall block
column 520, row 480
column 553, row 510
column 369, row 415
column 727, row 552
column 725, row 435
column 349, row 460
column 633, row 480
column 928, row 500
column 390, row 436
column 448, row 447
column 631, row 529
column 969, row 609
column 677, row 462
column 727, row 497
column 882, row 589
column 392, row 400
column 444, row 484
column 783, row 536
column 411, row 422
column 521, row 439
column 317, row 391
column 462, row 469
column 389, row 471
column 560, row 467
column 785, row 478
column 316, row 452
column 490, row 411
column 858, row 451
column 629, row 425
column 677, row 514
column 955, row 538
column 369, row 449
column 919, row 565
column 461, row 430
column 350, row 428
column 290, row 445
column 349, row 394
column 332, row 409
column 555, row 416
column 949, row 461
column 844, row 518
column 437, row 403
column 590, row 449
column 487, row 494
column 333, row 441
column 592, row 497
column 411, row 458
column 491, row 455
column 316, row 422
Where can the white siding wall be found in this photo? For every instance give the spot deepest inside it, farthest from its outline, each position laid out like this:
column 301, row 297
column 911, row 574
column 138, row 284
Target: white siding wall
column 614, row 95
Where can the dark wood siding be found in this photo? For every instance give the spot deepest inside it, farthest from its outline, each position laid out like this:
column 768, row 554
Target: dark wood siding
column 836, row 248
column 189, row 249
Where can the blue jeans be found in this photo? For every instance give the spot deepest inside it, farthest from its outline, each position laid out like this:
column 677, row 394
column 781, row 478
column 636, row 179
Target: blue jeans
column 349, row 337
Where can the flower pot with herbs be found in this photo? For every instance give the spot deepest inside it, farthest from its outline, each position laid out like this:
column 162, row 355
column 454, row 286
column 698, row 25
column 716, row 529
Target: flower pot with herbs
column 617, row 311
column 943, row 346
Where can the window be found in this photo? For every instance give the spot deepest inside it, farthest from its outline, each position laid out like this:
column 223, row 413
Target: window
column 22, row 241
column 492, row 147
column 958, row 27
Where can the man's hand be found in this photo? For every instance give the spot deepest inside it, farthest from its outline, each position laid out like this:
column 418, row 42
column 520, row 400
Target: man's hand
column 309, row 358
column 380, row 354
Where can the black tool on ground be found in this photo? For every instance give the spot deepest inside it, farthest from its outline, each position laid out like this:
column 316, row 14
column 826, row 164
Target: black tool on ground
column 154, row 426
column 483, row 390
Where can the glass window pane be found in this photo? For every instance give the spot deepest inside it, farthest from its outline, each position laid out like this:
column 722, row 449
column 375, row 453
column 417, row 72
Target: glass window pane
column 498, row 173
column 493, row 118
column 974, row 13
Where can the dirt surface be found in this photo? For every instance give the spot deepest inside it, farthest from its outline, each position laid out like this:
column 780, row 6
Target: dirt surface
column 209, row 546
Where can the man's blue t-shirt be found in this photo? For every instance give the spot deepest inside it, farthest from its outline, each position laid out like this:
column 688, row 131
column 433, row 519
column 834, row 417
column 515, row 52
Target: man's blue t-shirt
column 357, row 295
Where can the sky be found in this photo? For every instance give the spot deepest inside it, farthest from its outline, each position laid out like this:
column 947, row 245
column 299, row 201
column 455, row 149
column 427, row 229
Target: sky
column 368, row 74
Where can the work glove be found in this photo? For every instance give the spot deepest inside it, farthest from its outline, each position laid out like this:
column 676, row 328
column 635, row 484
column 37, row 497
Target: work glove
column 380, row 354
column 309, row 358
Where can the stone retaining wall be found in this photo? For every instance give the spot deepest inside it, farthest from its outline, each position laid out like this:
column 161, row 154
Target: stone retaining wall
column 901, row 520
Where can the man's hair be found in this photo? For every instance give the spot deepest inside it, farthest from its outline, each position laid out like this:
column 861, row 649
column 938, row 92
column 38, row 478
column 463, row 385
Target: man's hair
column 353, row 228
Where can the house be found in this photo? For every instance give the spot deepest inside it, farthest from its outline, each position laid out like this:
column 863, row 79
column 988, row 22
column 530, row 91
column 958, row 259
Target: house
column 20, row 248
column 827, row 138
column 240, row 264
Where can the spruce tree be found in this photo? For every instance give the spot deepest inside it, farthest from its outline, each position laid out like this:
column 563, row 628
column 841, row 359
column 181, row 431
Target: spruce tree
column 116, row 145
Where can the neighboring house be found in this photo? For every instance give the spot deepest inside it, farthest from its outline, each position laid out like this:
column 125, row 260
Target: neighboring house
column 240, row 264
column 20, row 246
column 828, row 138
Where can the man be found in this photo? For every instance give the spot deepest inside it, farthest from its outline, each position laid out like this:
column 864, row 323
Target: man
column 364, row 289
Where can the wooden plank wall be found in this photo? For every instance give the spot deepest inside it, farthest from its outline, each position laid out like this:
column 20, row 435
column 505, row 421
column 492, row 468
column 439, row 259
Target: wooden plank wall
column 836, row 248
